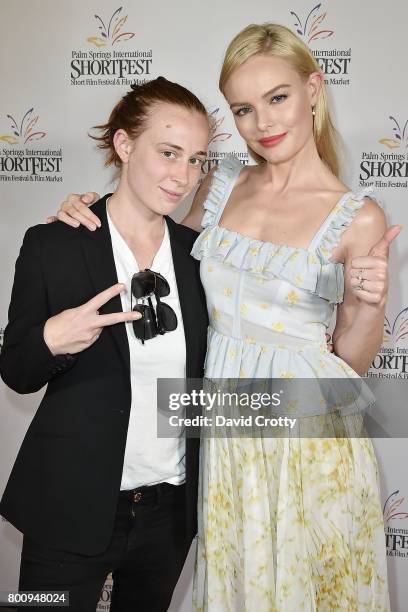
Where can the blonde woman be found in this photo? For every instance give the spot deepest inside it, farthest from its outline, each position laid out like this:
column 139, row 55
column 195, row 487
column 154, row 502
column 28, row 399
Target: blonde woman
column 287, row 524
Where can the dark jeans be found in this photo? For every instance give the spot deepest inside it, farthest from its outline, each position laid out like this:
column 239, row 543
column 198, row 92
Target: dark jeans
column 146, row 556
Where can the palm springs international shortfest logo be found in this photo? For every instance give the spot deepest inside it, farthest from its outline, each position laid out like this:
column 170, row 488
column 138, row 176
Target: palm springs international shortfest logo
column 395, row 509
column 115, row 62
column 23, row 131
column 311, row 26
column 392, row 359
column 312, row 29
column 21, row 158
column 387, row 166
column 111, row 33
column 219, row 134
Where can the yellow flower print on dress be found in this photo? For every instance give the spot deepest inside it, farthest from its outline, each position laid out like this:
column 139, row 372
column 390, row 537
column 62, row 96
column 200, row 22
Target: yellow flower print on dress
column 215, row 314
column 250, row 340
column 243, row 309
column 292, row 404
column 210, row 268
column 274, row 253
column 294, row 256
column 292, row 298
column 286, row 374
column 298, row 279
column 264, row 306
column 224, row 242
column 278, row 326
column 311, row 259
column 227, row 292
column 254, row 250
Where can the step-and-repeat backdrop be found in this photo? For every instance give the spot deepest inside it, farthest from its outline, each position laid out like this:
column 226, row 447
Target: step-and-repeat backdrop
column 65, row 64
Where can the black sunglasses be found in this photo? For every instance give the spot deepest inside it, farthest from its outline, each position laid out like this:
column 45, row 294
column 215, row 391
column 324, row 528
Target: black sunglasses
column 153, row 321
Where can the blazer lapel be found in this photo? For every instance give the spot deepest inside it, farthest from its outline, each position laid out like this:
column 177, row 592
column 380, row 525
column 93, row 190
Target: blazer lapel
column 98, row 254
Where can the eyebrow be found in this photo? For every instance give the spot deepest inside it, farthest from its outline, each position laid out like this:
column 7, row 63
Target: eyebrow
column 178, row 148
column 265, row 95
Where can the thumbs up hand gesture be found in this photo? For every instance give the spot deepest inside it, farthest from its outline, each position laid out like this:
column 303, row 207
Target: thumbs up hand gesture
column 369, row 274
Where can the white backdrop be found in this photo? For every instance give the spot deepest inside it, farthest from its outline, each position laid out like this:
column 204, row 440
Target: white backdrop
column 65, row 64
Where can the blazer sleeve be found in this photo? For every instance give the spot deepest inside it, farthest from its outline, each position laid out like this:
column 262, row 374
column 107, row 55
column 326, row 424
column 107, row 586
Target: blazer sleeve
column 26, row 363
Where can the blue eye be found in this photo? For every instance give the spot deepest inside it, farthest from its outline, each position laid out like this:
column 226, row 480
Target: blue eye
column 278, row 99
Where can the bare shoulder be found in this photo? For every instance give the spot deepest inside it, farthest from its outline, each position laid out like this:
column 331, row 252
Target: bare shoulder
column 367, row 228
column 370, row 218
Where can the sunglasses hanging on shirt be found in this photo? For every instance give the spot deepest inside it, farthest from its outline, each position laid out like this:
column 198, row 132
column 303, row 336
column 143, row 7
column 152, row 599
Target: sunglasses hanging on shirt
column 157, row 320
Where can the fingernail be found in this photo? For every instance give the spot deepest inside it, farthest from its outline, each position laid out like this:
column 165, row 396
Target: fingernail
column 137, row 315
column 91, row 227
column 76, row 224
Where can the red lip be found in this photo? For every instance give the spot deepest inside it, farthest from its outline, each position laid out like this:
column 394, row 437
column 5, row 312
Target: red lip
column 269, row 141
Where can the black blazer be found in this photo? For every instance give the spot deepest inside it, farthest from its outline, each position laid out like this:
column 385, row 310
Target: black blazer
column 64, row 486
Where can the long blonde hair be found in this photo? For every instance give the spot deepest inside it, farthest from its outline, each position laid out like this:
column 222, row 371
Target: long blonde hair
column 277, row 40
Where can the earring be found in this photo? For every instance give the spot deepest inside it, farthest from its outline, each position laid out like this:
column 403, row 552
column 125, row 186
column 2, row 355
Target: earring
column 313, row 111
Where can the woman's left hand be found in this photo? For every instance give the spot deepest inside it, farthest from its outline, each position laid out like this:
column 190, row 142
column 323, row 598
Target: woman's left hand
column 369, row 274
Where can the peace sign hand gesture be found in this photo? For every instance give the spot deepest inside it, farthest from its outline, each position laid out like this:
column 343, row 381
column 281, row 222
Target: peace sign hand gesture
column 75, row 329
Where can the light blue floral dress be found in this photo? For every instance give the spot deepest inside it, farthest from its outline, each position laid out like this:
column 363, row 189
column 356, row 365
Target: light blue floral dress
column 285, row 524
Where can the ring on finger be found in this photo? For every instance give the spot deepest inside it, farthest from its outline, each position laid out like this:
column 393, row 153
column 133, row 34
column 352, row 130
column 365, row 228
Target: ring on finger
column 360, row 285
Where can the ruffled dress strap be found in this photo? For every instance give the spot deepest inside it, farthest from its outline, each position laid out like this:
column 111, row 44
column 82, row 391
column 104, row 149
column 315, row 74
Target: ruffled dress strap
column 329, row 234
column 223, row 181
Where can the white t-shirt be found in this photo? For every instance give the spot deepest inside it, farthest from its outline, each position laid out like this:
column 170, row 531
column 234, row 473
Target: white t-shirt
column 149, row 459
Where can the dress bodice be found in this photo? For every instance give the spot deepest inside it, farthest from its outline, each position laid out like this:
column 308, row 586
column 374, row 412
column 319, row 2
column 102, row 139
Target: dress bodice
column 270, row 305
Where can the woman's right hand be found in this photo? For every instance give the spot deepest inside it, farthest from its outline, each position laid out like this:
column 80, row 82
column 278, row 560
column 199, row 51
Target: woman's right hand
column 75, row 211
column 76, row 329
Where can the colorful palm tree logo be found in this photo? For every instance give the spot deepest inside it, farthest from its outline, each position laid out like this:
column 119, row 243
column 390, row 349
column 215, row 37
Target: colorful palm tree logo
column 311, row 29
column 391, row 506
column 400, row 136
column 25, row 131
column 112, row 33
column 216, row 122
column 398, row 330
